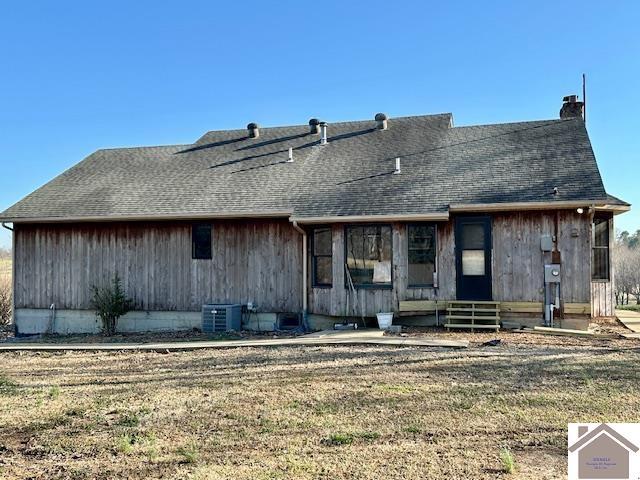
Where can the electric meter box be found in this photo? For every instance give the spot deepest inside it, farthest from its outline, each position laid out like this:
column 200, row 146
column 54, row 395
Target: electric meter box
column 546, row 243
column 552, row 273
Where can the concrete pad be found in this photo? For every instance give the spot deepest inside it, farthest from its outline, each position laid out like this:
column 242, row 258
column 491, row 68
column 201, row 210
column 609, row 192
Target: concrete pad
column 279, row 342
column 361, row 332
column 568, row 333
column 563, row 331
column 631, row 335
column 630, row 319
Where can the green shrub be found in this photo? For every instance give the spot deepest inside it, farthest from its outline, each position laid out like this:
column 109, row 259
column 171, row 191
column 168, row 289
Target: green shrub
column 340, row 439
column 130, row 419
column 189, row 453
column 110, row 303
column 7, row 386
column 54, row 392
column 125, row 443
column 507, row 461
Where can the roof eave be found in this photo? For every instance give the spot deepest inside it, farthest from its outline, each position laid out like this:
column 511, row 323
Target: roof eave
column 123, row 218
column 410, row 217
column 616, row 209
column 523, row 206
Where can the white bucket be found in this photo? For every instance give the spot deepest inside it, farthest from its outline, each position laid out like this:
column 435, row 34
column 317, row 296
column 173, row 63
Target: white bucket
column 384, row 320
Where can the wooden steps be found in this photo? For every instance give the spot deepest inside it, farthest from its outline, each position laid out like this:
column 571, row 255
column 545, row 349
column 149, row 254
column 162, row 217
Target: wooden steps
column 472, row 326
column 481, row 315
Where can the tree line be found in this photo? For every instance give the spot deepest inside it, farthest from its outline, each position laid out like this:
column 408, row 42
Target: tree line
column 5, row 252
column 626, row 265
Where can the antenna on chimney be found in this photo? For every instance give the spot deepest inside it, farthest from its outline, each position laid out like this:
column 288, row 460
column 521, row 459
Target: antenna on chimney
column 584, row 97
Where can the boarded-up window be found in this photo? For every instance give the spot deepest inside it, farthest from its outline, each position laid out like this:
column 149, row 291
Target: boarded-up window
column 322, row 258
column 369, row 255
column 600, row 249
column 201, row 242
column 421, row 255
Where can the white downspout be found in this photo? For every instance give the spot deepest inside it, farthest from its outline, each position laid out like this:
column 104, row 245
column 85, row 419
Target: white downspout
column 304, row 266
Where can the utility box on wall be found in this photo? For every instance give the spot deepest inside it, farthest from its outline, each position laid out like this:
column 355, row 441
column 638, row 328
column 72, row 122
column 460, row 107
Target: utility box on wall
column 552, row 273
column 546, row 243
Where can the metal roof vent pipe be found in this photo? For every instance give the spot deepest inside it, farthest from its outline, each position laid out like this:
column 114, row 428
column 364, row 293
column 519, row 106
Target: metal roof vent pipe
column 254, row 130
column 397, row 171
column 381, row 121
column 323, row 133
column 314, row 126
column 290, row 157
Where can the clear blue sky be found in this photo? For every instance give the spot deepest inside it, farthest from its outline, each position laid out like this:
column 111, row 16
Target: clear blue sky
column 78, row 76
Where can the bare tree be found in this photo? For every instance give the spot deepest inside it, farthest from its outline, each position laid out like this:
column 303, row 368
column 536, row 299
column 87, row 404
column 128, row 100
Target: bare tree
column 627, row 267
column 620, row 263
column 5, row 300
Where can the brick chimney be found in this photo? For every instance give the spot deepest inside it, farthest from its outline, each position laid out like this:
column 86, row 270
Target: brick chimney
column 572, row 108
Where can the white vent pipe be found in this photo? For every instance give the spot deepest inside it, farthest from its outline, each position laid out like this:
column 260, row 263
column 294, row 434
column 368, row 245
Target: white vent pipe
column 397, row 170
column 323, row 133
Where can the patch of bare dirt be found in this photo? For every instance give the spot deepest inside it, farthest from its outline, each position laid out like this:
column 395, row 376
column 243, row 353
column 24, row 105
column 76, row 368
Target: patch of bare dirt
column 520, row 339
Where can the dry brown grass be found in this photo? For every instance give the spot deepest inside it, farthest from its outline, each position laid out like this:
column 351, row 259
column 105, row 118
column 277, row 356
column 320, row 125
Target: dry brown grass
column 308, row 412
column 5, row 293
column 5, row 267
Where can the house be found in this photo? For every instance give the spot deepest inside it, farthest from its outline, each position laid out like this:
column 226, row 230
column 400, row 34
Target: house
column 333, row 220
column 602, row 453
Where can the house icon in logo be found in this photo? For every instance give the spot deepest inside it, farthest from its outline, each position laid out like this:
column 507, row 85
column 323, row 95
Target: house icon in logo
column 602, row 453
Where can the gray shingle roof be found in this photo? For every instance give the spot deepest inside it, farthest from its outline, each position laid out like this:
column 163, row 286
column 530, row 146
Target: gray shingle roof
column 225, row 172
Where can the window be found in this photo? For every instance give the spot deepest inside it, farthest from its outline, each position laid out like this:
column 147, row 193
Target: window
column 369, row 255
column 473, row 245
column 422, row 255
column 600, row 249
column 322, row 266
column 201, row 242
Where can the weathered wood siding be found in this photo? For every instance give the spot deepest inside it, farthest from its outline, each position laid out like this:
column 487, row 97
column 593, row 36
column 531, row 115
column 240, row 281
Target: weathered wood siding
column 574, row 243
column 446, row 265
column 603, row 299
column 258, row 261
column 338, row 300
column 518, row 261
column 517, row 264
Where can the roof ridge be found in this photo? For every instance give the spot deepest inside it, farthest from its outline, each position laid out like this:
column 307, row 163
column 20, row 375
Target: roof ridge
column 525, row 122
column 344, row 122
column 141, row 147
